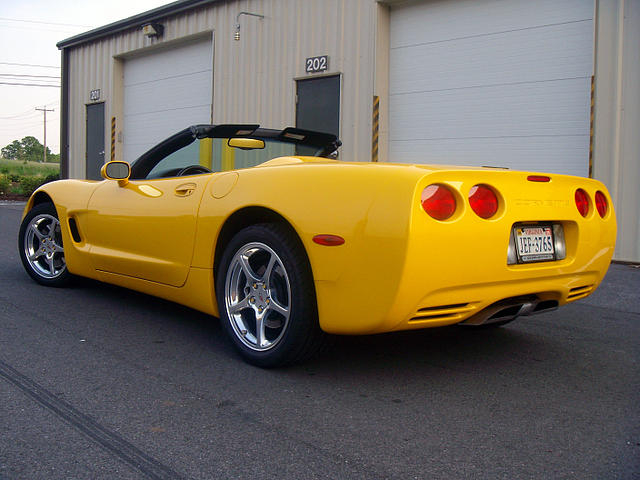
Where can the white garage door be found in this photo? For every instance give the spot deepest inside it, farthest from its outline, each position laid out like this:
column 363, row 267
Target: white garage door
column 164, row 92
column 501, row 83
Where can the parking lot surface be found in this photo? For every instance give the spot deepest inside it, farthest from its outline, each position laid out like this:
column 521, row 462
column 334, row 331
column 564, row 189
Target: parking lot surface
column 100, row 382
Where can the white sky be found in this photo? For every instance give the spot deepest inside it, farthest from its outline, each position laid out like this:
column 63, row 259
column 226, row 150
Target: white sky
column 28, row 36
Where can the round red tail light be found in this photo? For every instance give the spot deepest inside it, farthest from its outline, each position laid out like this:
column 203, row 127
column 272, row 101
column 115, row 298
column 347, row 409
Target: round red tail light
column 438, row 201
column 483, row 201
column 582, row 202
column 601, row 203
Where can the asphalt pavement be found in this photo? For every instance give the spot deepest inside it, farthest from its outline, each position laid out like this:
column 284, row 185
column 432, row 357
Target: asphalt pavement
column 97, row 382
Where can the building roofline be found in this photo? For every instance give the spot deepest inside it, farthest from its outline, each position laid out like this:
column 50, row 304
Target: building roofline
column 136, row 20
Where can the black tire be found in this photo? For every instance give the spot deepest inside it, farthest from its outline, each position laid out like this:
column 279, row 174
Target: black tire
column 40, row 246
column 264, row 279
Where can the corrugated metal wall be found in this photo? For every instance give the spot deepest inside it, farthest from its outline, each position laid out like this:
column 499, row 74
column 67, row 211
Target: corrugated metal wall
column 616, row 159
column 254, row 78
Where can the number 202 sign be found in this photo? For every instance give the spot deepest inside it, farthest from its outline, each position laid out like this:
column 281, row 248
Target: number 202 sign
column 317, row 64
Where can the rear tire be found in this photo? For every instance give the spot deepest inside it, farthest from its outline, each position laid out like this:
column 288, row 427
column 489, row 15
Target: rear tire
column 266, row 297
column 40, row 246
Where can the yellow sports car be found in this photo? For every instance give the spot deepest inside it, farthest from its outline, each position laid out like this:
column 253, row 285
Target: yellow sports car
column 301, row 244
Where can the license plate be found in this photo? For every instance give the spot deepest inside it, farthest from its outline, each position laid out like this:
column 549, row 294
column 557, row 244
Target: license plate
column 534, row 243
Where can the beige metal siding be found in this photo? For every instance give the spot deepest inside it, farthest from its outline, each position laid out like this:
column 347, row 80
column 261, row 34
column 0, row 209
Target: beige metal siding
column 617, row 117
column 254, row 78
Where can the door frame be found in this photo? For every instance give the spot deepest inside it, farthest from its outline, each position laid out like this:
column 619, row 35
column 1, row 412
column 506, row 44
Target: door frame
column 318, row 77
column 89, row 168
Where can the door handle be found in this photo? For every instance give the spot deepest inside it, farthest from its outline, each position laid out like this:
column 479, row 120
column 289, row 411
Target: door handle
column 185, row 189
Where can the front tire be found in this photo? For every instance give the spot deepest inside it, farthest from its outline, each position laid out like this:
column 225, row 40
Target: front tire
column 40, row 246
column 266, row 297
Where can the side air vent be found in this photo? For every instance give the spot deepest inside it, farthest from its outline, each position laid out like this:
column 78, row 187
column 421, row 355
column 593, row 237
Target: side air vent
column 579, row 292
column 73, row 227
column 441, row 312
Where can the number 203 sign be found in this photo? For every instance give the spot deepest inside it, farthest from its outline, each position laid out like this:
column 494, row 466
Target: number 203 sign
column 317, row 64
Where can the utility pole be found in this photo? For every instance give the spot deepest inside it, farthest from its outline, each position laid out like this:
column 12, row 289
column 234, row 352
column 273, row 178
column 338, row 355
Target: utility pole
column 45, row 110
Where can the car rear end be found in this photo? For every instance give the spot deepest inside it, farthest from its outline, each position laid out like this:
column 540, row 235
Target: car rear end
column 490, row 245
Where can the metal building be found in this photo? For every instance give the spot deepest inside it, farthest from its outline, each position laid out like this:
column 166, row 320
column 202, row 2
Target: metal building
column 549, row 85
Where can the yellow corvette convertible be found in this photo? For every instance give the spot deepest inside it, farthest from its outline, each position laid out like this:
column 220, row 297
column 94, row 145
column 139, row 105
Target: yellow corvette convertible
column 300, row 245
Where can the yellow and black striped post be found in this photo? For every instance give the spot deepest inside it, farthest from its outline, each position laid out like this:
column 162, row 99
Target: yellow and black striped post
column 375, row 127
column 593, row 85
column 113, row 138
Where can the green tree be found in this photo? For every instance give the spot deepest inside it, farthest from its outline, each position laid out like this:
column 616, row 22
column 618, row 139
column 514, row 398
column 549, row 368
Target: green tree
column 12, row 151
column 32, row 149
column 29, row 148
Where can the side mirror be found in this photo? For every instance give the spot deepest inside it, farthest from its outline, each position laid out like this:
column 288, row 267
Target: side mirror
column 246, row 143
column 116, row 170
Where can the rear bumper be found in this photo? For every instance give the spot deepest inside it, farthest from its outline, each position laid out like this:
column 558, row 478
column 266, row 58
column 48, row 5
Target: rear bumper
column 458, row 270
column 497, row 301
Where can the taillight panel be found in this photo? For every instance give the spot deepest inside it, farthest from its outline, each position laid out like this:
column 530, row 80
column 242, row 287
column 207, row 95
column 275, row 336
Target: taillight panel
column 483, row 201
column 601, row 204
column 582, row 202
column 446, row 202
column 438, row 201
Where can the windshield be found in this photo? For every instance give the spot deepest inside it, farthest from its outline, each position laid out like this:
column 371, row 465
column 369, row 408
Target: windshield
column 205, row 148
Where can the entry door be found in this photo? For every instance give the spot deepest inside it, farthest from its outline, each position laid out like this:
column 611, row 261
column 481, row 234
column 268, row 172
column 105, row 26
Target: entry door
column 95, row 140
column 318, row 106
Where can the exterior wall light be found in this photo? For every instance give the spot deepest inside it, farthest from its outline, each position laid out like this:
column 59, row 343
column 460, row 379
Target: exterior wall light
column 152, row 30
column 236, row 35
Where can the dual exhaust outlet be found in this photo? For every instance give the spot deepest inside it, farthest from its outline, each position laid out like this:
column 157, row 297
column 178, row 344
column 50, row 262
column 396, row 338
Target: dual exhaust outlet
column 510, row 308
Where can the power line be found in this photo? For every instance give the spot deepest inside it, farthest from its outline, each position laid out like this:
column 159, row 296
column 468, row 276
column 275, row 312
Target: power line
column 29, row 76
column 13, row 128
column 30, row 111
column 22, row 114
column 29, row 84
column 41, row 29
column 28, row 65
column 25, row 117
column 44, row 23
column 20, row 122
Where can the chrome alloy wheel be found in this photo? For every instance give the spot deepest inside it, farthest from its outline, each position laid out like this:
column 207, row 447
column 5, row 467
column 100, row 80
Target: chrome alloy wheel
column 257, row 296
column 43, row 246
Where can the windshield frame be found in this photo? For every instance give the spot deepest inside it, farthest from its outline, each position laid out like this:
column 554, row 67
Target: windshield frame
column 325, row 144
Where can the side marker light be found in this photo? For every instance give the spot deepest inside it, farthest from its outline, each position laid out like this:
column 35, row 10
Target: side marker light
column 329, row 240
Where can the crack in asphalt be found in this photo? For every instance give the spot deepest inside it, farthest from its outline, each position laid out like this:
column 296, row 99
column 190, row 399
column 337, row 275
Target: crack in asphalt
column 108, row 439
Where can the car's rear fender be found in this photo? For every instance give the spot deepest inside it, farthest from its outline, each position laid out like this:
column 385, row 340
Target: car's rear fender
column 367, row 207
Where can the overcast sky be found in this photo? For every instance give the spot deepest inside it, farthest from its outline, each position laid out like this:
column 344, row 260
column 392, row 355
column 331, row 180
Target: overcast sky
column 29, row 31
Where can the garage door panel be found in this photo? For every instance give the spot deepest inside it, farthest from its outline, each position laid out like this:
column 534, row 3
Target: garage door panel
column 530, row 55
column 470, row 77
column 165, row 91
column 446, row 20
column 148, row 129
column 553, row 154
column 183, row 59
column 547, row 108
column 168, row 93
